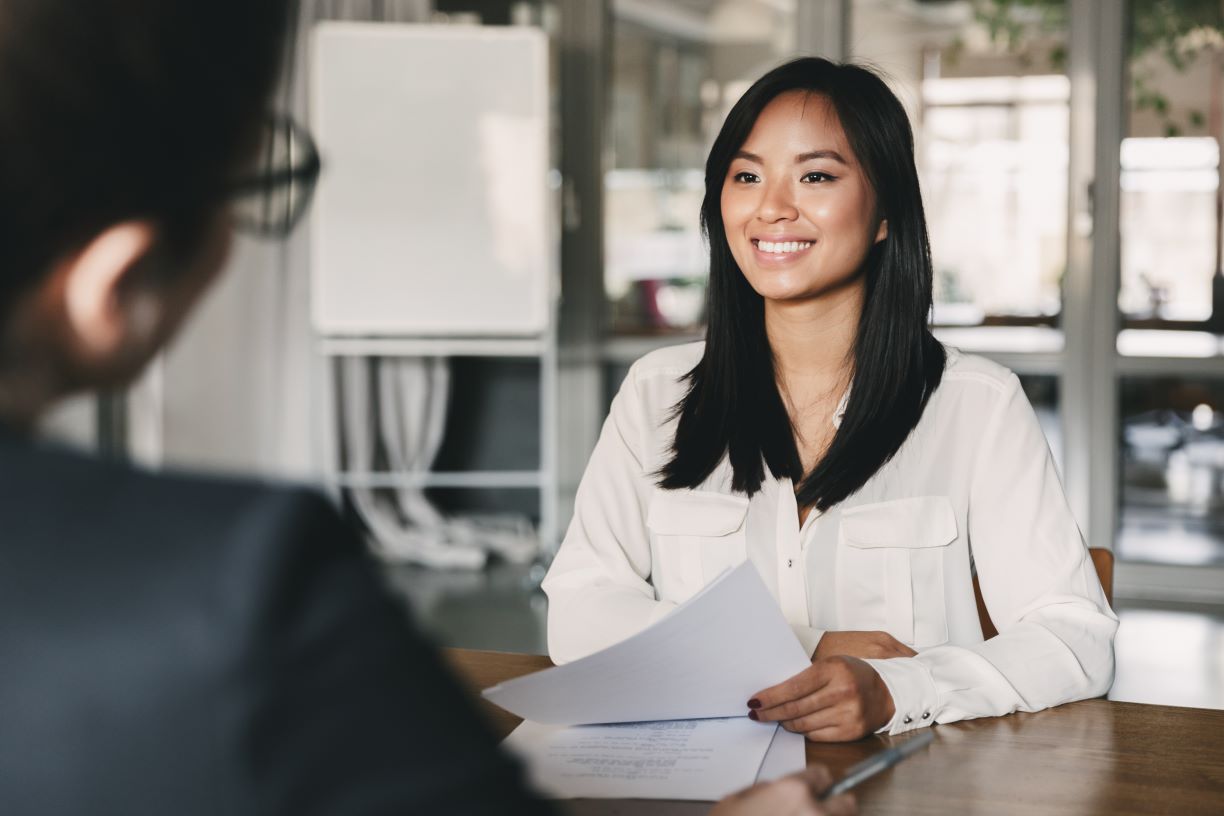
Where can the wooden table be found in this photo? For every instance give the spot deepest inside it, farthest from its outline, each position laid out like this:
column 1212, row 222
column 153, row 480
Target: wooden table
column 1091, row 757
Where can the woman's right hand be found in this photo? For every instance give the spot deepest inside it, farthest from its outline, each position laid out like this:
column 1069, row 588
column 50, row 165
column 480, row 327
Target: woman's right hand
column 864, row 645
column 793, row 795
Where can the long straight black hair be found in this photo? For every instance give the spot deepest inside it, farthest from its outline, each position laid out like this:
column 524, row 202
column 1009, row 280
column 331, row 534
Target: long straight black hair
column 732, row 406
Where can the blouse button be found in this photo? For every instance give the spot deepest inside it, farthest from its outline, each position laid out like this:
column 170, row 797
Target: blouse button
column 908, row 719
column 790, row 562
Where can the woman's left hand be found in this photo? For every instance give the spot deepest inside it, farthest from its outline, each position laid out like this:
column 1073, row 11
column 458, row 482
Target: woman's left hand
column 837, row 699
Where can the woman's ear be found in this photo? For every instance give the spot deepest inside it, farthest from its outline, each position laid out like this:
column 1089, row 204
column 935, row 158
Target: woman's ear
column 882, row 230
column 106, row 310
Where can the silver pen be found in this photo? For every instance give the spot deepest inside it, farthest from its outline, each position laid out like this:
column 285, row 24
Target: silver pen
column 875, row 763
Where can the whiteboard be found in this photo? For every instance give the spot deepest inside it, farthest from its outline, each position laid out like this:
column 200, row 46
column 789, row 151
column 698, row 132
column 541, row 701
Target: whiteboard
column 433, row 213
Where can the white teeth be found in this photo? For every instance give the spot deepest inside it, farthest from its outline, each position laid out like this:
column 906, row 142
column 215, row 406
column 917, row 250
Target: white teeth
column 781, row 247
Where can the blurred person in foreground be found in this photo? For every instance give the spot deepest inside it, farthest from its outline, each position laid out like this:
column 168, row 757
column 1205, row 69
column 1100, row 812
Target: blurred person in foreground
column 172, row 644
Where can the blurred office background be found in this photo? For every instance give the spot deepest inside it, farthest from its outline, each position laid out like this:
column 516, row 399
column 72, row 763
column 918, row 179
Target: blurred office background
column 1070, row 154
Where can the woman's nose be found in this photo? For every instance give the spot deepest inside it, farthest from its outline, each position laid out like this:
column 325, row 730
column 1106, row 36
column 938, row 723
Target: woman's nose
column 777, row 204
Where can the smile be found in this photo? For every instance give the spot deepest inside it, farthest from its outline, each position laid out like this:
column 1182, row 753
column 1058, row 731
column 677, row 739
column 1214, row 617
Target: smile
column 780, row 252
column 781, row 248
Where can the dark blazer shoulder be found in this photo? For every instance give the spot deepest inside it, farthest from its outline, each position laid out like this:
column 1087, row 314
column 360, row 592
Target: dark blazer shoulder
column 238, row 647
column 104, row 503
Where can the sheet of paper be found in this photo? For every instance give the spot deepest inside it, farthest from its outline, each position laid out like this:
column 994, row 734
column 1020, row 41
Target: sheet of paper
column 705, row 659
column 670, row 759
column 787, row 754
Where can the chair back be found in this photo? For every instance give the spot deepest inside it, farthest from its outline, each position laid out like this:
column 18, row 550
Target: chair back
column 1102, row 559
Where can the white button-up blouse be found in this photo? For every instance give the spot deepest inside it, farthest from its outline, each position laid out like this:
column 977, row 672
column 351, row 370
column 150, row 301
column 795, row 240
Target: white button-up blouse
column 973, row 488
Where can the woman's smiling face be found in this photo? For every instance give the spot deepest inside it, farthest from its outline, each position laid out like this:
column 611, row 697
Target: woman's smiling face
column 799, row 214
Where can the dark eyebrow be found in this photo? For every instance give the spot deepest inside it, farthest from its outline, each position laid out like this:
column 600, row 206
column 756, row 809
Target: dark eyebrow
column 800, row 159
column 821, row 154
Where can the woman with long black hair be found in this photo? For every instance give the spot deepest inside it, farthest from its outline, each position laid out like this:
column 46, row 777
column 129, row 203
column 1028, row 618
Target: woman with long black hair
column 822, row 433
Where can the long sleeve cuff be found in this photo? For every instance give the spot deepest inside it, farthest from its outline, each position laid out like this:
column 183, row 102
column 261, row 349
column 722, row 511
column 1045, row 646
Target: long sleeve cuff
column 809, row 638
column 913, row 693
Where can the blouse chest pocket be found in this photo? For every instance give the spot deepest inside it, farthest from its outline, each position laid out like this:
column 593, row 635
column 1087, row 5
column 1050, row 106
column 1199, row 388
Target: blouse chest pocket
column 890, row 568
column 697, row 534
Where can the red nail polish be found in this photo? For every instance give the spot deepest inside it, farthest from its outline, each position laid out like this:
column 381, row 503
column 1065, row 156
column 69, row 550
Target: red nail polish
column 754, row 703
column 752, row 715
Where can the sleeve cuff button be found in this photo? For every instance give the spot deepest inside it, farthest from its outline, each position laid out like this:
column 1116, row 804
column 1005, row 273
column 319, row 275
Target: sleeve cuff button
column 908, row 719
column 926, row 715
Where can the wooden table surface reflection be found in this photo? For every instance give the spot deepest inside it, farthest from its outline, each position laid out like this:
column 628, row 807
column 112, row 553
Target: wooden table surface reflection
column 1091, row 757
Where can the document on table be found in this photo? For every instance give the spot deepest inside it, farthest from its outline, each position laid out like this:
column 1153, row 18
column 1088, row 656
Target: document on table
column 670, row 759
column 661, row 715
column 704, row 660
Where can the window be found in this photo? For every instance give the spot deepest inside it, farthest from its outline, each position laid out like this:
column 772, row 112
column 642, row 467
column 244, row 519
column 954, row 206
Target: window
column 1170, row 160
column 990, row 116
column 1170, row 296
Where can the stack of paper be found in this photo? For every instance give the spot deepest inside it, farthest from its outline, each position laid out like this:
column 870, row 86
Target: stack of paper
column 662, row 715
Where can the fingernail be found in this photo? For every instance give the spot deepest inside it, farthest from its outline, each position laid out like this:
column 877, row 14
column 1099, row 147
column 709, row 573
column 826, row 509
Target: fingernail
column 752, row 715
column 754, row 703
